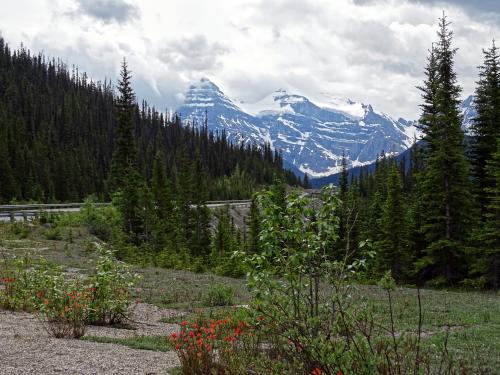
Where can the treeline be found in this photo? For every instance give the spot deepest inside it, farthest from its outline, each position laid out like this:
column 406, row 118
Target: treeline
column 155, row 221
column 58, row 130
column 435, row 218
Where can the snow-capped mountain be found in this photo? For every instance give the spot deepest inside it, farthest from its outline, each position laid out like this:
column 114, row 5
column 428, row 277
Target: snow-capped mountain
column 468, row 113
column 312, row 137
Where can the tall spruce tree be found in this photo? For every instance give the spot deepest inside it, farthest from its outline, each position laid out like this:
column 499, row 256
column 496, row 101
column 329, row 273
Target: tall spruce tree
column 446, row 190
column 124, row 170
column 486, row 125
column 124, row 161
column 392, row 249
column 254, row 228
column 490, row 234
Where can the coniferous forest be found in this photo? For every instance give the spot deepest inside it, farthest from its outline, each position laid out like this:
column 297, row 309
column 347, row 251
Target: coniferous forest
column 59, row 130
column 65, row 138
column 432, row 218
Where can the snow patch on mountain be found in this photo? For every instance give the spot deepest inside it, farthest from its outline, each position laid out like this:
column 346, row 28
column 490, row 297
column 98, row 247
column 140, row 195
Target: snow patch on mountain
column 312, row 135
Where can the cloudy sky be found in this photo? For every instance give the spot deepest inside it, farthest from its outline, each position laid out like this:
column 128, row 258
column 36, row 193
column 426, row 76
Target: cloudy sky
column 371, row 51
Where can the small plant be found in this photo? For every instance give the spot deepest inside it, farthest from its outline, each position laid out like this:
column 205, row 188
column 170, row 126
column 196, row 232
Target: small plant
column 219, row 295
column 65, row 310
column 53, row 234
column 109, row 289
column 20, row 230
column 66, row 305
column 22, row 278
column 213, row 347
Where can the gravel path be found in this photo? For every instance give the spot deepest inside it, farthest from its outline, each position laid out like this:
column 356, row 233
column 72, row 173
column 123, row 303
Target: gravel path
column 26, row 347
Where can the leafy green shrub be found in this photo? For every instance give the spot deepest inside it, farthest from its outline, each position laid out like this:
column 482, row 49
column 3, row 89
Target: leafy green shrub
column 45, row 217
column 20, row 230
column 65, row 309
column 102, row 222
column 109, row 287
column 23, row 279
column 40, row 286
column 219, row 295
column 305, row 295
column 67, row 305
column 53, row 234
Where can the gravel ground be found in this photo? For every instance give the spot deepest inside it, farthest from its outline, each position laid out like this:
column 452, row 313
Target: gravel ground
column 26, row 347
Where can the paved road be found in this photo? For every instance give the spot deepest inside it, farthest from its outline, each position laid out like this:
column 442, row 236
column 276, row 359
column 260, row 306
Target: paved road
column 29, row 212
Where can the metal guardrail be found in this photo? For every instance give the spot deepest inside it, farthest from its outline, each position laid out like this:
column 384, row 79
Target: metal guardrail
column 41, row 207
column 26, row 211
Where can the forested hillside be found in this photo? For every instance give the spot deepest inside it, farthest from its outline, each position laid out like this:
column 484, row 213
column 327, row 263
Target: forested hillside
column 434, row 214
column 57, row 136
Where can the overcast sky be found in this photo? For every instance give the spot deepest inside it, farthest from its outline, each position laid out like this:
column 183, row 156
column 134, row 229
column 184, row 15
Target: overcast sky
column 372, row 51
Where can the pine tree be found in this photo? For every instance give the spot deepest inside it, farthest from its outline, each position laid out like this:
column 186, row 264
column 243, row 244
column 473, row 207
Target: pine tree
column 306, row 183
column 488, row 259
column 124, row 173
column 392, row 249
column 7, row 181
column 200, row 238
column 492, row 222
column 344, row 175
column 343, row 213
column 486, row 126
column 162, row 194
column 446, row 190
column 254, row 228
column 124, row 162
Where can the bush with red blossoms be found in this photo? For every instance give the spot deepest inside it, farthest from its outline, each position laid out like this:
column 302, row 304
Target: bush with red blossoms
column 213, row 347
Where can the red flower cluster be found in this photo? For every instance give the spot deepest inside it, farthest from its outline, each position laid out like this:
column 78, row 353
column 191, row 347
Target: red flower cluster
column 319, row 371
column 7, row 280
column 195, row 343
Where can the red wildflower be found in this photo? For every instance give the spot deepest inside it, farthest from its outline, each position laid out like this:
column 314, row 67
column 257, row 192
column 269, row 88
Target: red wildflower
column 317, row 371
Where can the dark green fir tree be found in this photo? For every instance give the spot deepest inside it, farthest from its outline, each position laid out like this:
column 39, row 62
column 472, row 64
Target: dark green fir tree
column 445, row 184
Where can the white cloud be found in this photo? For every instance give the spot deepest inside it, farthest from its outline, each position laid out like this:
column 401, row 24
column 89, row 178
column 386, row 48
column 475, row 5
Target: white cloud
column 368, row 50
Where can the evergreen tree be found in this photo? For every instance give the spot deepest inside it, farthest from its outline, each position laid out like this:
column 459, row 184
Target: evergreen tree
column 200, row 238
column 392, row 249
column 306, row 183
column 124, row 162
column 254, row 228
column 124, row 173
column 344, row 213
column 279, row 192
column 7, row 181
column 344, row 176
column 489, row 237
column 486, row 126
column 446, row 194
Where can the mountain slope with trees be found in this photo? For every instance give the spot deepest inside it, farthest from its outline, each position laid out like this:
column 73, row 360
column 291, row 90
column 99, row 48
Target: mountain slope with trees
column 58, row 129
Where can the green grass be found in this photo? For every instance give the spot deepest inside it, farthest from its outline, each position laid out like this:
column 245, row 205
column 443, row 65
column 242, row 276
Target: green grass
column 155, row 343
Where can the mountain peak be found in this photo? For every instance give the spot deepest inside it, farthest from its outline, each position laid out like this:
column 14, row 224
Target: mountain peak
column 204, row 93
column 206, row 84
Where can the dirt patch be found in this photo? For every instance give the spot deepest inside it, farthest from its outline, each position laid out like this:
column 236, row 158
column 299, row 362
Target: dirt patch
column 27, row 348
column 144, row 320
